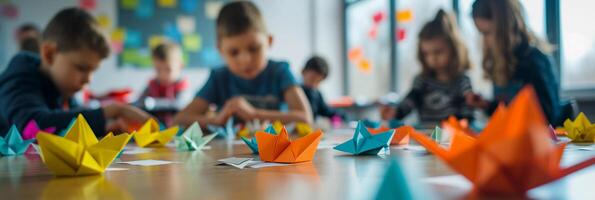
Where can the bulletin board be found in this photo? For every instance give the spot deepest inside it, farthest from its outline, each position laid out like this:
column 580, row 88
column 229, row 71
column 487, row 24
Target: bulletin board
column 142, row 24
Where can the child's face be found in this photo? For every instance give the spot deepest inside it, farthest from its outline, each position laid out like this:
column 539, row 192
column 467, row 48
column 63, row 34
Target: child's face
column 71, row 70
column 312, row 78
column 245, row 54
column 486, row 27
column 436, row 53
column 168, row 71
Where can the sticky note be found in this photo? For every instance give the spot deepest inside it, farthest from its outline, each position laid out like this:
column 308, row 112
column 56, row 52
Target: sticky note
column 155, row 40
column 88, row 4
column 212, row 9
column 118, row 35
column 145, row 9
column 104, row 21
column 167, row 3
column 192, row 42
column 378, row 17
column 189, row 6
column 117, row 47
column 373, row 32
column 129, row 4
column 9, row 10
column 133, row 38
column 171, row 31
column 404, row 16
column 186, row 24
column 364, row 65
column 401, row 34
column 355, row 53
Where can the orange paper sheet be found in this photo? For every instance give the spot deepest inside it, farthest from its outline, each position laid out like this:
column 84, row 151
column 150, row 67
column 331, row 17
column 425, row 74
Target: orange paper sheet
column 512, row 155
column 278, row 148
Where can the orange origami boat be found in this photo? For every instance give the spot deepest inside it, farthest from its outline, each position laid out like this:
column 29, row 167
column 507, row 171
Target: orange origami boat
column 453, row 123
column 512, row 155
column 400, row 137
column 278, row 148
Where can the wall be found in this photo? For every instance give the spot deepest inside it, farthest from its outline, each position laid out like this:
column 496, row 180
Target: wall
column 289, row 21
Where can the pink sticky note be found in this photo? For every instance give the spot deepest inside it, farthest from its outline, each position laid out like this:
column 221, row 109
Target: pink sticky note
column 88, row 4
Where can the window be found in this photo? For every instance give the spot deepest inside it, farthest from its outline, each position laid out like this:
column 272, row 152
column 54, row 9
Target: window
column 578, row 44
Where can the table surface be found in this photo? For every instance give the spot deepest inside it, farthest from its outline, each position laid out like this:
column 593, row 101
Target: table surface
column 331, row 175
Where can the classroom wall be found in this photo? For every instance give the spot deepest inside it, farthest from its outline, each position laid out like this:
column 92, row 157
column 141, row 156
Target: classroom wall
column 296, row 38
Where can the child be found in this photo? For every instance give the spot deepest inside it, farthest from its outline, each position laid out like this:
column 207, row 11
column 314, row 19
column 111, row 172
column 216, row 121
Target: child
column 41, row 87
column 513, row 58
column 27, row 35
column 250, row 86
column 167, row 84
column 438, row 91
column 315, row 71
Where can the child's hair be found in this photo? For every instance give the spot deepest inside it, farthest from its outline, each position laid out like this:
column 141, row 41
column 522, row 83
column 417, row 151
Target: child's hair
column 318, row 65
column 27, row 27
column 510, row 30
column 238, row 17
column 444, row 26
column 73, row 29
column 166, row 50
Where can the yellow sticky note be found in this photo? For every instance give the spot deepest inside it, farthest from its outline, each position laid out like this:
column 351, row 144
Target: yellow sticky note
column 129, row 4
column 104, row 21
column 364, row 65
column 156, row 40
column 192, row 42
column 118, row 35
column 404, row 15
column 167, row 3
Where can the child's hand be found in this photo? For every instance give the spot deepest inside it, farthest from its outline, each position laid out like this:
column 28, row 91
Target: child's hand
column 387, row 112
column 224, row 114
column 476, row 100
column 242, row 108
column 128, row 113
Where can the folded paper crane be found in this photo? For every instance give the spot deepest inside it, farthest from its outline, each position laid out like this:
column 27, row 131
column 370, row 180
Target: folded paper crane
column 395, row 185
column 192, row 139
column 278, row 148
column 364, row 143
column 13, row 144
column 581, row 129
column 253, row 144
column 513, row 154
column 31, row 130
column 227, row 131
column 79, row 152
column 401, row 136
column 149, row 134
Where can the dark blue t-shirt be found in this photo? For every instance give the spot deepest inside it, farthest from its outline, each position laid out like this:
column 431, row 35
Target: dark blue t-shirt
column 26, row 93
column 265, row 91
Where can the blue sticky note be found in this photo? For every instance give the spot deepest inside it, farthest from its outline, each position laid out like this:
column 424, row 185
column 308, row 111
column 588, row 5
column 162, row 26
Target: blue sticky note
column 395, row 184
column 364, row 143
column 253, row 144
column 171, row 31
column 13, row 144
column 133, row 39
column 145, row 9
column 210, row 57
column 189, row 6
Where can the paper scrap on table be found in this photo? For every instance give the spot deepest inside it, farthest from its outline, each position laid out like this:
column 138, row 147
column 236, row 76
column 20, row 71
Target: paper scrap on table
column 116, row 169
column 242, row 163
column 136, row 150
column 327, row 145
column 148, row 162
column 410, row 148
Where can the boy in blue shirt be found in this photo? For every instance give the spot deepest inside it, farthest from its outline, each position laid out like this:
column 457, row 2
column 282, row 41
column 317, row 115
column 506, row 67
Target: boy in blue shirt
column 41, row 87
column 315, row 71
column 250, row 86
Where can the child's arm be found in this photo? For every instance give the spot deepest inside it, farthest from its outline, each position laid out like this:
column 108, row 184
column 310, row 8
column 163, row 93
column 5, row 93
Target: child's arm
column 325, row 110
column 299, row 108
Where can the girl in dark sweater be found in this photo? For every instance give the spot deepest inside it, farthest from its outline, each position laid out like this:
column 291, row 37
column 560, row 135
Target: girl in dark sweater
column 513, row 58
